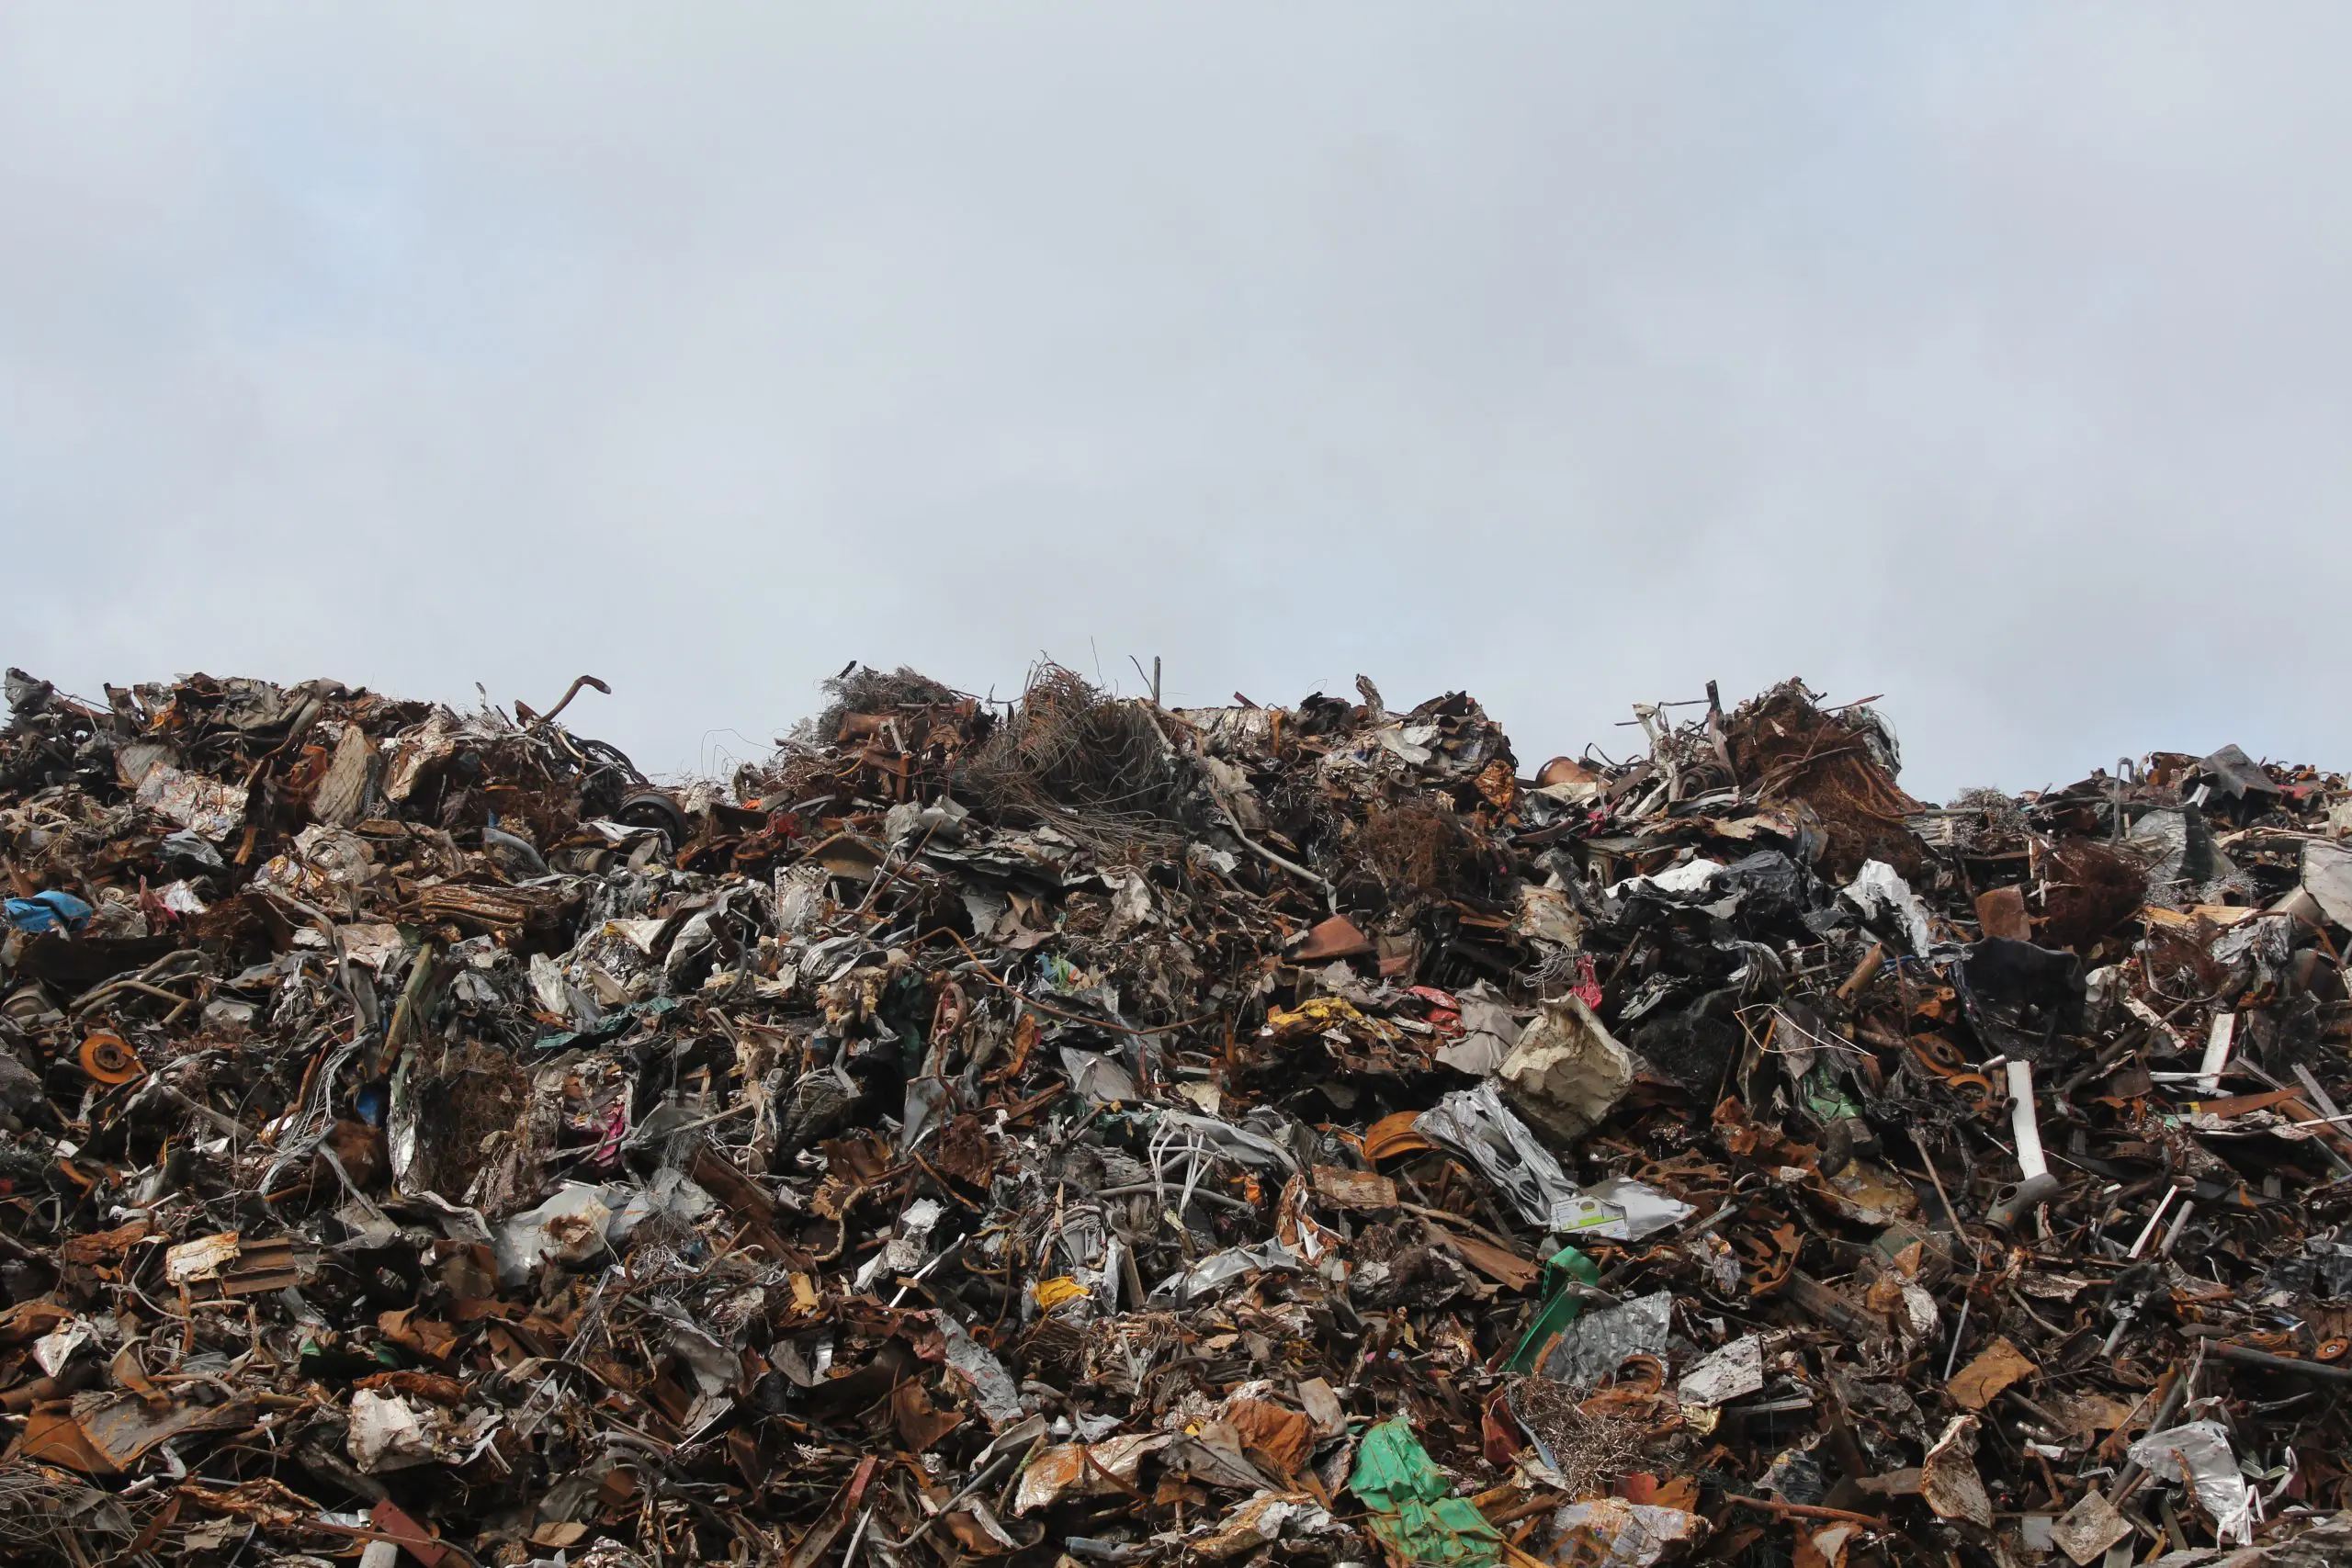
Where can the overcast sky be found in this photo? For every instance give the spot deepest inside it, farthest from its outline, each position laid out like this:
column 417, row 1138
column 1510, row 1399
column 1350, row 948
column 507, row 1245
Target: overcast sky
column 1994, row 360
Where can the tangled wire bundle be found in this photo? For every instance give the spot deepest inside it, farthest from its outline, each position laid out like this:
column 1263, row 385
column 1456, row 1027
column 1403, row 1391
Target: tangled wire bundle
column 1091, row 763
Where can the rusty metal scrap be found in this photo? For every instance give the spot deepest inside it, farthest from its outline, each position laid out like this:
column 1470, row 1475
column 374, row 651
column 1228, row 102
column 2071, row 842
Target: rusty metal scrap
column 1079, row 1132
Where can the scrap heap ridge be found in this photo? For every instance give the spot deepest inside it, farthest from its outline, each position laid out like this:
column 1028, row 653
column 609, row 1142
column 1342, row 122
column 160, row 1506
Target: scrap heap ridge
column 1082, row 1131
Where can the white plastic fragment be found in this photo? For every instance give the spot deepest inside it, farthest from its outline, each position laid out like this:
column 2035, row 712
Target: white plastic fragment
column 1879, row 890
column 2198, row 1454
column 1725, row 1374
column 2023, row 1123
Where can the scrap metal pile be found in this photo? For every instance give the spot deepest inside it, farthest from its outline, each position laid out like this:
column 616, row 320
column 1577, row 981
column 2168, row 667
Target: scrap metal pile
column 1080, row 1131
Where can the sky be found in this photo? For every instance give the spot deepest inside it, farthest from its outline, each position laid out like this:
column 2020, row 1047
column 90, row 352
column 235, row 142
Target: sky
column 1994, row 360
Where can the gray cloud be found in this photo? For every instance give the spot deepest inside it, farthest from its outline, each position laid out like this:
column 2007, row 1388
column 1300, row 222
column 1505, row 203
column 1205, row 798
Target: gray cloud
column 1993, row 360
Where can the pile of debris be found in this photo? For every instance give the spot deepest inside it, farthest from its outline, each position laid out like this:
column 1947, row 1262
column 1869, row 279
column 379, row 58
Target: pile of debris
column 1082, row 1131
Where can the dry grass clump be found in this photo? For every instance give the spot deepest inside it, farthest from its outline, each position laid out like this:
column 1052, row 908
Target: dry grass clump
column 1589, row 1450
column 1080, row 759
column 1419, row 848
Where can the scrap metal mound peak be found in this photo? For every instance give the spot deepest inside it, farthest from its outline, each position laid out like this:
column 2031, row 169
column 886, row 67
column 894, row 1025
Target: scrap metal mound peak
column 1079, row 1131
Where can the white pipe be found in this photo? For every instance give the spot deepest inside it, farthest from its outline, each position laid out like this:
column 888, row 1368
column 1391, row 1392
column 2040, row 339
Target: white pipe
column 2023, row 1123
column 2150, row 1228
column 2217, row 1053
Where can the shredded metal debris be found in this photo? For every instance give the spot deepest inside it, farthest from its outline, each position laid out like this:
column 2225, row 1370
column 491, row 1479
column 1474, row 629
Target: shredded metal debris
column 1079, row 1132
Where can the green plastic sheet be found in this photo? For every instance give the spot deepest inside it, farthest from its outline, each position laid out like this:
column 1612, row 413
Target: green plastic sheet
column 1414, row 1511
column 1566, row 1267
